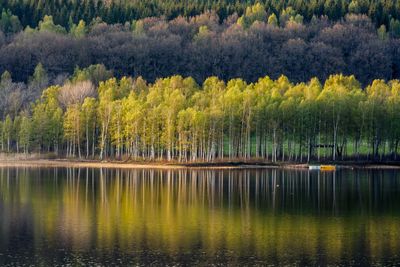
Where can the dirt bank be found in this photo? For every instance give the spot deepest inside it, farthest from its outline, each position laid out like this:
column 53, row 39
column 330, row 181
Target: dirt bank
column 32, row 161
column 128, row 165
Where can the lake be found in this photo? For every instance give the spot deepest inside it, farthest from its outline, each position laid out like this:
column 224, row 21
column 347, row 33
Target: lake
column 61, row 216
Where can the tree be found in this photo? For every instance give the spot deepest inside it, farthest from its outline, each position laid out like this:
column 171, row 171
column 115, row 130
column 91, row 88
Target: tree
column 378, row 93
column 7, row 131
column 393, row 111
column 133, row 125
column 95, row 73
column 47, row 117
column 9, row 23
column 116, row 130
column 47, row 25
column 273, row 20
column 253, row 13
column 336, row 98
column 24, row 134
column 394, row 27
column 15, row 132
column 12, row 95
column 107, row 94
column 354, row 7
column 75, row 93
column 78, row 31
column 88, row 113
column 382, row 33
column 72, row 125
column 37, row 82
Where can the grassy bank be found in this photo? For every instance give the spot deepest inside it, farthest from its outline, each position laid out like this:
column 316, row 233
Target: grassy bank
column 49, row 160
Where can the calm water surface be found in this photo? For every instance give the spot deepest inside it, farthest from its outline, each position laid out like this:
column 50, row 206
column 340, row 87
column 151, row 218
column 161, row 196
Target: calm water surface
column 60, row 216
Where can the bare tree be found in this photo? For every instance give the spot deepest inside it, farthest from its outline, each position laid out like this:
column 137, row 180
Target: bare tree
column 75, row 93
column 12, row 96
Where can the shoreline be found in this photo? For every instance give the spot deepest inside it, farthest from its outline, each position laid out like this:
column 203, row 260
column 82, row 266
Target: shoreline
column 71, row 163
column 67, row 163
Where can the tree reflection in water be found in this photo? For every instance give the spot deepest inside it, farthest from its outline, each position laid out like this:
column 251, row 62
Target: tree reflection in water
column 59, row 215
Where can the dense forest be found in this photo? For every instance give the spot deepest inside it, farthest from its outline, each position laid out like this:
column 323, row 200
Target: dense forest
column 104, row 79
column 30, row 12
column 177, row 119
column 248, row 47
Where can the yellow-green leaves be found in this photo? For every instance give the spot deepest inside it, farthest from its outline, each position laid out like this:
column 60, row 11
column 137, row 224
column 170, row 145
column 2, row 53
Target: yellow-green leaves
column 176, row 119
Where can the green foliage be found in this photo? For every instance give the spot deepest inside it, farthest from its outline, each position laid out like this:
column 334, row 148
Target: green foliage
column 5, row 78
column 394, row 27
column 382, row 33
column 47, row 25
column 73, row 129
column 89, row 119
column 66, row 12
column 176, row 119
column 39, row 78
column 7, row 131
column 94, row 73
column 298, row 19
column 47, row 118
column 286, row 15
column 203, row 32
column 273, row 20
column 78, row 31
column 354, row 7
column 9, row 23
column 137, row 27
column 24, row 134
column 253, row 13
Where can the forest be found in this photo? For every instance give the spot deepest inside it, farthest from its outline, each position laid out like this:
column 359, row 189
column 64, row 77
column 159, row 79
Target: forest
column 249, row 47
column 176, row 119
column 274, row 80
column 30, row 12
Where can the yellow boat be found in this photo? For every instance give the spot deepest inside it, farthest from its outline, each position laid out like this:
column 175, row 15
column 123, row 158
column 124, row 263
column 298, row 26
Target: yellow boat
column 328, row 168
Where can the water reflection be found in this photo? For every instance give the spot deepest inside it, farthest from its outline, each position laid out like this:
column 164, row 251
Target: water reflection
column 75, row 216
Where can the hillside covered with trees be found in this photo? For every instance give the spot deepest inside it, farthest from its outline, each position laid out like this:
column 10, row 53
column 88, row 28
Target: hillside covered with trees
column 248, row 47
column 30, row 12
column 79, row 83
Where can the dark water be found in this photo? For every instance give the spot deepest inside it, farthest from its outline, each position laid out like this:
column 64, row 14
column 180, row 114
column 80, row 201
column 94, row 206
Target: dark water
column 111, row 217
